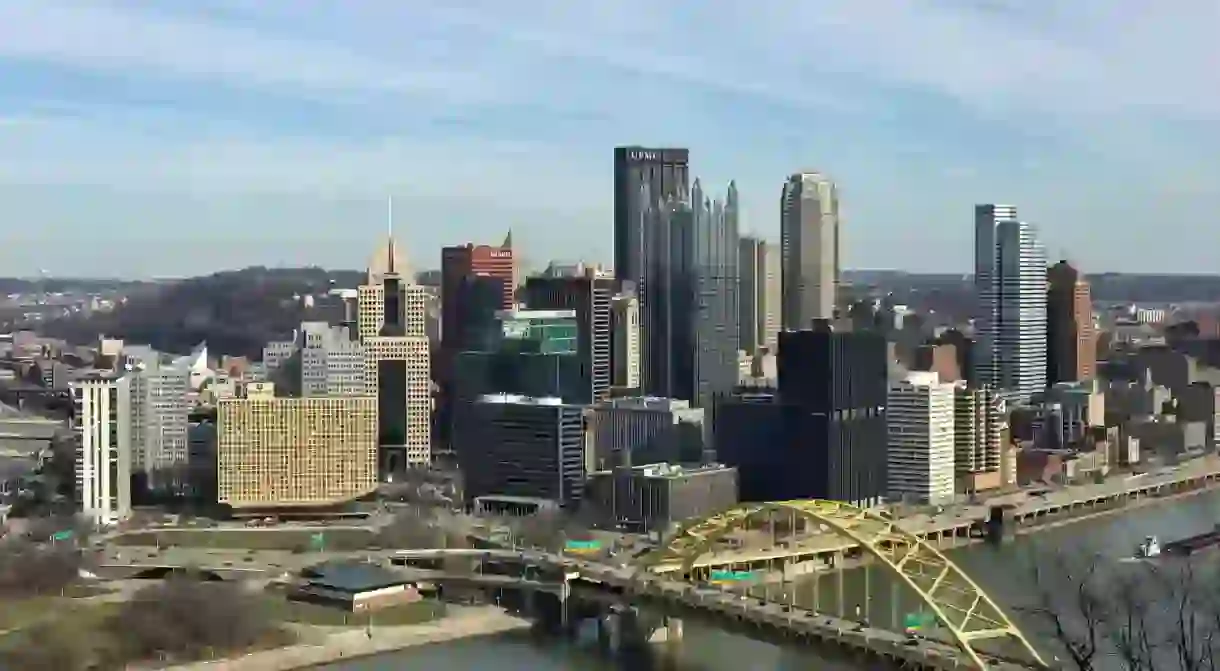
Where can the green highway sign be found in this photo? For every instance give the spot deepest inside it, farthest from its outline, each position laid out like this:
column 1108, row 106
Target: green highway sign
column 62, row 536
column 582, row 546
column 732, row 576
column 913, row 621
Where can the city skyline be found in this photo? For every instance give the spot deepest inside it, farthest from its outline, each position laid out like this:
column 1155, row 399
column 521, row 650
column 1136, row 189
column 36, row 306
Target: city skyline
column 225, row 135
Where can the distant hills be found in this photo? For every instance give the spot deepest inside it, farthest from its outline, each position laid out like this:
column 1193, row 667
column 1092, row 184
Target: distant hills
column 235, row 312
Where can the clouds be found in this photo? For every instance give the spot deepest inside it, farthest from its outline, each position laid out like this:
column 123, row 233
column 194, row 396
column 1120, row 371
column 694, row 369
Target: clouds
column 477, row 111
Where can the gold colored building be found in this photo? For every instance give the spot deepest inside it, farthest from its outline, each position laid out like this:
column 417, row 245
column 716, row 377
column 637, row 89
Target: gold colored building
column 295, row 452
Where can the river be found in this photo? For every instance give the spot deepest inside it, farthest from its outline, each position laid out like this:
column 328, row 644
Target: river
column 1007, row 572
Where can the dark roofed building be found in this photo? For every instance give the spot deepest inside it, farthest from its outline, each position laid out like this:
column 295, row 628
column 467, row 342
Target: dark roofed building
column 355, row 586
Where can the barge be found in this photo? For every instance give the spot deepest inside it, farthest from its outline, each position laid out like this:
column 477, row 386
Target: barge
column 1192, row 544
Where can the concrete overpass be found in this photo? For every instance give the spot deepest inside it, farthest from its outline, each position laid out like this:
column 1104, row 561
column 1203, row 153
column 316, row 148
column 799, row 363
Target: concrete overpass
column 162, row 571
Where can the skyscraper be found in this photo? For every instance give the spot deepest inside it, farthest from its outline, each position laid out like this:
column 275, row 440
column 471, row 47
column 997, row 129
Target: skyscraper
column 642, row 177
column 1010, row 283
column 689, row 298
column 760, row 294
column 809, row 231
column 1071, row 348
column 836, row 384
column 590, row 297
column 392, row 319
column 476, row 281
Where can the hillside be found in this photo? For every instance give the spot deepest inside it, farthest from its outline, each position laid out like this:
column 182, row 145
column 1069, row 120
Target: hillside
column 235, row 312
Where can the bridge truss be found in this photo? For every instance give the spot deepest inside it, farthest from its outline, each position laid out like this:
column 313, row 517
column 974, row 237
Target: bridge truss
column 958, row 603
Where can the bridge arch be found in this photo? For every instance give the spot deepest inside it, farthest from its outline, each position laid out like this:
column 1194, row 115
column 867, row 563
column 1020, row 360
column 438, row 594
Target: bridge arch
column 907, row 556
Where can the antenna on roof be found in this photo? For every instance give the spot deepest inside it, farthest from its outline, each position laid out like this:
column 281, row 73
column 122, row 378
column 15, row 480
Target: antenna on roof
column 390, row 216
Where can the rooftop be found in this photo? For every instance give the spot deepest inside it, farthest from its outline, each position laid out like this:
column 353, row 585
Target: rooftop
column 351, row 576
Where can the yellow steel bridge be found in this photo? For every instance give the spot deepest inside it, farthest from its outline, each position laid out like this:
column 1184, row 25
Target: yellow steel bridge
column 958, row 603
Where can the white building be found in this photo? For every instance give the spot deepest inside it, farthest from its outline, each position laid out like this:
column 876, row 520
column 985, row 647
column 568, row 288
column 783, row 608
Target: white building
column 979, row 424
column 1010, row 280
column 920, row 447
column 103, row 453
column 625, row 320
column 809, row 249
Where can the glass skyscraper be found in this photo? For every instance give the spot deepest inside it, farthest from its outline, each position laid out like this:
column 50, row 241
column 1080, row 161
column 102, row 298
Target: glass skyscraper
column 1010, row 282
column 688, row 294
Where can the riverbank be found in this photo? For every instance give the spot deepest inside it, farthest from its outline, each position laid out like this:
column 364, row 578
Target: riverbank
column 1027, row 529
column 325, row 645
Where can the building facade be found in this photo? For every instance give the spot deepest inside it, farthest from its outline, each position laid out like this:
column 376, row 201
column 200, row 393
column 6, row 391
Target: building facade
column 532, row 353
column 689, row 299
column 979, row 426
column 920, row 446
column 295, row 452
column 1071, row 340
column 332, row 361
column 836, row 384
column 515, row 446
column 760, row 294
column 655, row 497
column 1010, row 283
column 625, row 341
column 103, row 449
column 633, row 430
column 809, row 243
column 590, row 297
column 642, row 177
column 393, row 332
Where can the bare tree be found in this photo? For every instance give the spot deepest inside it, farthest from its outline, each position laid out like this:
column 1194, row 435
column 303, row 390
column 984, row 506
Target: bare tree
column 184, row 618
column 30, row 569
column 1100, row 614
column 47, row 647
column 544, row 529
column 415, row 529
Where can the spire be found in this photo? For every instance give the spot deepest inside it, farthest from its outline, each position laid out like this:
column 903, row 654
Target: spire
column 388, row 259
column 508, row 240
column 389, row 262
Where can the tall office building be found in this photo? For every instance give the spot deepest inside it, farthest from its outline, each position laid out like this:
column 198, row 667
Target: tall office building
column 295, row 452
column 1071, row 341
column 393, row 330
column 838, row 384
column 1010, row 283
column 978, row 423
column 642, row 177
column 103, row 453
column 760, row 294
column 590, row 297
column 809, row 231
column 625, row 341
column 689, row 298
column 464, row 261
column 920, row 446
column 159, row 413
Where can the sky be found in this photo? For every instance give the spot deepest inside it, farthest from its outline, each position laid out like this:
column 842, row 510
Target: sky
column 143, row 138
